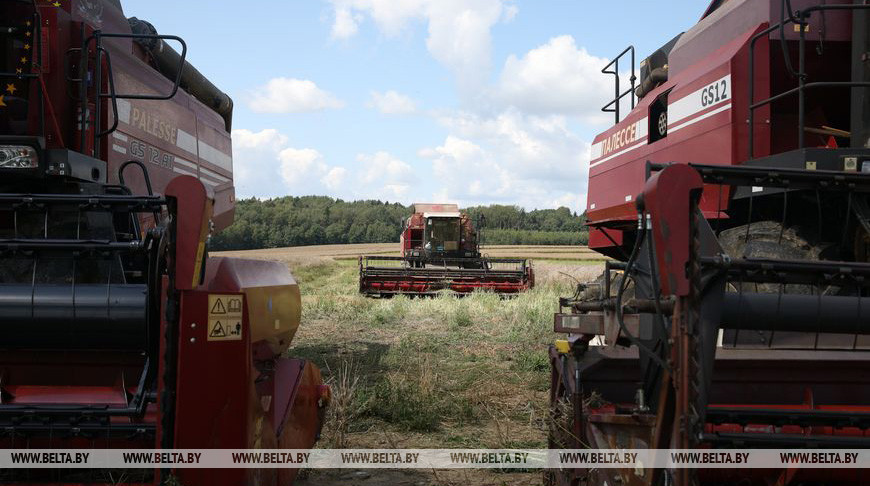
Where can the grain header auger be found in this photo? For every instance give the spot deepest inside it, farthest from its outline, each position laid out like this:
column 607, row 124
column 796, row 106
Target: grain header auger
column 441, row 251
column 118, row 330
column 735, row 198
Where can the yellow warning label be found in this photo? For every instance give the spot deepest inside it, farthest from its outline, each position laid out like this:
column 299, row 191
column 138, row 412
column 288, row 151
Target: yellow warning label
column 224, row 317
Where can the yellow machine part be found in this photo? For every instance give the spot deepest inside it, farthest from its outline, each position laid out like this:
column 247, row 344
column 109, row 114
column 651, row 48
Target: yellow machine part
column 562, row 346
column 274, row 314
column 272, row 296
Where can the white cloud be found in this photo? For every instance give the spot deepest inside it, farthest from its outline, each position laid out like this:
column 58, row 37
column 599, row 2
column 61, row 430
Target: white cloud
column 255, row 164
column 392, row 103
column 521, row 149
column 467, row 170
column 384, row 171
column 300, row 164
column 459, row 37
column 557, row 77
column 334, row 178
column 345, row 25
column 542, row 148
column 266, row 166
column 391, row 16
column 269, row 137
column 458, row 30
column 510, row 158
column 291, row 95
column 377, row 176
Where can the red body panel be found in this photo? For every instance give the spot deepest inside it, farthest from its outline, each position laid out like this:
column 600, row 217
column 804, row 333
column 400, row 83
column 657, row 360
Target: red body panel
column 172, row 137
column 616, row 177
column 667, row 196
column 713, row 51
column 221, row 407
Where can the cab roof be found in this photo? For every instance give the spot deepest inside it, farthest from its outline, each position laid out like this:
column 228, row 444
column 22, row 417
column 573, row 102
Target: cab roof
column 442, row 214
column 435, row 208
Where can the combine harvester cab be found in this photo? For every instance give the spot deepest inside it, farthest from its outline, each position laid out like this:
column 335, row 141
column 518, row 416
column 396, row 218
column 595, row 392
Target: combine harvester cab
column 736, row 314
column 118, row 330
column 441, row 251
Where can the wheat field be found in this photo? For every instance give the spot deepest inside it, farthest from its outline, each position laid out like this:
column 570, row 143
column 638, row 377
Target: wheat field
column 441, row 372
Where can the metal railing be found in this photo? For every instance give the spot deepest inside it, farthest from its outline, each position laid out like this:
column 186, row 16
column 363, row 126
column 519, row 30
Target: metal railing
column 613, row 105
column 798, row 18
column 97, row 38
column 36, row 19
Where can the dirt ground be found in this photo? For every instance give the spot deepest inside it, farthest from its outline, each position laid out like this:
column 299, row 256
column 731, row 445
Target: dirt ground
column 440, row 372
column 411, row 477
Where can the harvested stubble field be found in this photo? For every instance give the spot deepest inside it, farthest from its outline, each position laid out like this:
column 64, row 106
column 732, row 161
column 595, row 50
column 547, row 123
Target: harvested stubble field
column 442, row 372
column 352, row 252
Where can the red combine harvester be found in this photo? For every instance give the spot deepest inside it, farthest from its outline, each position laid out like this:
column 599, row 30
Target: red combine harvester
column 735, row 197
column 441, row 251
column 118, row 330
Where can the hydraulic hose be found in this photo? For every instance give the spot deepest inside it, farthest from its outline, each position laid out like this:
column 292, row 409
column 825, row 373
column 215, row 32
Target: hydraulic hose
column 641, row 234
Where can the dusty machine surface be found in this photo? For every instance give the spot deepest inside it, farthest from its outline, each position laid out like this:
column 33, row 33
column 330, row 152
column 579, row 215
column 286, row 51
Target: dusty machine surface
column 441, row 251
column 735, row 197
column 118, row 330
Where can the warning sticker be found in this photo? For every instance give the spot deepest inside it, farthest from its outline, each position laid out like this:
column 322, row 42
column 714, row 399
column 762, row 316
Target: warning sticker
column 224, row 317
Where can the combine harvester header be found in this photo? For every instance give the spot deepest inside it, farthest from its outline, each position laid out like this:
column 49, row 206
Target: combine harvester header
column 441, row 251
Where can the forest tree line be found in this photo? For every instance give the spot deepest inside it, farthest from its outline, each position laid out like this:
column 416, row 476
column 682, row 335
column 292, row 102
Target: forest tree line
column 321, row 220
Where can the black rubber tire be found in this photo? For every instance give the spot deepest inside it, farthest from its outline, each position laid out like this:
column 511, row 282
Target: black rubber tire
column 769, row 239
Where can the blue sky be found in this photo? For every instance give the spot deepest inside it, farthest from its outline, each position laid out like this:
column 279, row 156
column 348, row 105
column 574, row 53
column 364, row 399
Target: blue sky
column 468, row 101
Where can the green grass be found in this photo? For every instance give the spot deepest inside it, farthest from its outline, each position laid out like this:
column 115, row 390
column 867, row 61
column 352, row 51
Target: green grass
column 471, row 367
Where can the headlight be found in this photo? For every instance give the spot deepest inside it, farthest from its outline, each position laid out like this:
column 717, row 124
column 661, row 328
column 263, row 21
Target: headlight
column 18, row 157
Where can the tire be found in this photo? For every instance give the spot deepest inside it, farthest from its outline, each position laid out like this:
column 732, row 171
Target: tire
column 769, row 239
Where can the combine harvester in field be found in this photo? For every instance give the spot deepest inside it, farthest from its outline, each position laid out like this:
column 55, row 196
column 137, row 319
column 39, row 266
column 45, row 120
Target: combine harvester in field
column 738, row 314
column 441, row 251
column 118, row 330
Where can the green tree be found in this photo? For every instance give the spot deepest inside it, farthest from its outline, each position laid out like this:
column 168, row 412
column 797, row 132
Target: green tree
column 310, row 220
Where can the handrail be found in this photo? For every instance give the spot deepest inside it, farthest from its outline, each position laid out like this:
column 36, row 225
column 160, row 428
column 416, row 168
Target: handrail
column 617, row 93
column 36, row 19
column 798, row 17
column 97, row 38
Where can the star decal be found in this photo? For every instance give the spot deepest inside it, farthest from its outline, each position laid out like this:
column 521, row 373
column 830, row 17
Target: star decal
column 11, row 88
column 2, row 103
